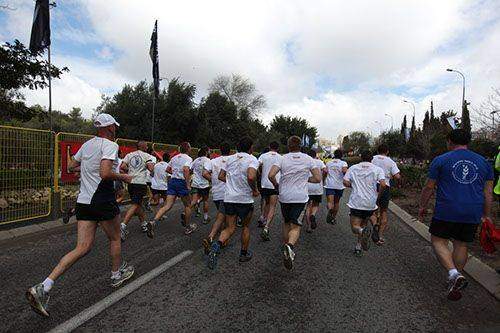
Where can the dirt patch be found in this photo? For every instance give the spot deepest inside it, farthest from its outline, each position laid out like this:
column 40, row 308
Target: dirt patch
column 408, row 199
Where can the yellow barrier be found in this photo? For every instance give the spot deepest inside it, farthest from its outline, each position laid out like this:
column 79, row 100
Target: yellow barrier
column 68, row 190
column 25, row 173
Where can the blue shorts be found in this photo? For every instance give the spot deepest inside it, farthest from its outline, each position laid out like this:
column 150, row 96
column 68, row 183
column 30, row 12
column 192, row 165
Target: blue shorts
column 177, row 187
column 334, row 192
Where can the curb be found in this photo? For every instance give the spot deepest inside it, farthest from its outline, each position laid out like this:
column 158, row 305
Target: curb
column 479, row 271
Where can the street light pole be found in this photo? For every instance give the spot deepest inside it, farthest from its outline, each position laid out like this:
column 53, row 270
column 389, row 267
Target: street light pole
column 392, row 121
column 412, row 104
column 463, row 84
column 493, row 117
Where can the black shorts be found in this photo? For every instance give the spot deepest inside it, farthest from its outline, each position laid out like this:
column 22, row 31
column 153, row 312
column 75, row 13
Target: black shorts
column 362, row 214
column 204, row 192
column 239, row 209
column 315, row 198
column 385, row 197
column 291, row 212
column 267, row 192
column 219, row 204
column 464, row 232
column 118, row 185
column 97, row 212
column 137, row 192
column 159, row 192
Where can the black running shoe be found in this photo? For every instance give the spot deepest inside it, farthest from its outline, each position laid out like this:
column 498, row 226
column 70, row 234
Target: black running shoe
column 239, row 223
column 455, row 287
column 314, row 224
column 329, row 217
column 288, row 256
column 246, row 257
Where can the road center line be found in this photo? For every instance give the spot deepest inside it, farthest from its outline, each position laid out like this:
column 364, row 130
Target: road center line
column 111, row 299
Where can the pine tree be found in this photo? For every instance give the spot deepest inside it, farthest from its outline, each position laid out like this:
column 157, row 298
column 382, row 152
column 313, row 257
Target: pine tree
column 465, row 124
column 413, row 126
column 432, row 111
column 427, row 122
column 403, row 125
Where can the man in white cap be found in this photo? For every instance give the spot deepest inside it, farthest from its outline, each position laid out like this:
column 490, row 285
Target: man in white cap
column 96, row 205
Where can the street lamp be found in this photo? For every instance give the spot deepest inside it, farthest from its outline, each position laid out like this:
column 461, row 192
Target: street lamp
column 392, row 120
column 493, row 117
column 412, row 104
column 463, row 84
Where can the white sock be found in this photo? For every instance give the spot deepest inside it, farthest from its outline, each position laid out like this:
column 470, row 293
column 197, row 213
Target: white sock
column 452, row 273
column 47, row 284
column 123, row 226
column 205, row 216
column 115, row 275
column 358, row 246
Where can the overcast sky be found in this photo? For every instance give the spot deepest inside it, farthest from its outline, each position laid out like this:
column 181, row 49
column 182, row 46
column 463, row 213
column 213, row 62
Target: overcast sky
column 342, row 65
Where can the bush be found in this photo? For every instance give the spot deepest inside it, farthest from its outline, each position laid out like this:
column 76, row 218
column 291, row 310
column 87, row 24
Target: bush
column 351, row 160
column 413, row 176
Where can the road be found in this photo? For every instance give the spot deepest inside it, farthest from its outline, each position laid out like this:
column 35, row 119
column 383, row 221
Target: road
column 395, row 288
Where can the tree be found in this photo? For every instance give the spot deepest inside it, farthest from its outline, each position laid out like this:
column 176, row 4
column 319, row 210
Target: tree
column 285, row 126
column 395, row 141
column 357, row 141
column 240, row 91
column 483, row 146
column 487, row 115
column 465, row 123
column 404, row 125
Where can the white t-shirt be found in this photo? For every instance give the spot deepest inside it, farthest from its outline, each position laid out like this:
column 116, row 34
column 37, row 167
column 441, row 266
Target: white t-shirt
column 90, row 155
column 197, row 166
column 335, row 175
column 214, row 166
column 237, row 188
column 295, row 169
column 364, row 177
column 388, row 165
column 159, row 181
column 137, row 166
column 177, row 163
column 316, row 188
column 117, row 169
column 267, row 160
column 149, row 178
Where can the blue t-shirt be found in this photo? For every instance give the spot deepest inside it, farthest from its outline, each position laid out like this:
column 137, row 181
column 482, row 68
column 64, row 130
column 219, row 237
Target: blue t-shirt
column 460, row 176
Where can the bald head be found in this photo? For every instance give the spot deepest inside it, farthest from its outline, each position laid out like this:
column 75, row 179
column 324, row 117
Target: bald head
column 142, row 145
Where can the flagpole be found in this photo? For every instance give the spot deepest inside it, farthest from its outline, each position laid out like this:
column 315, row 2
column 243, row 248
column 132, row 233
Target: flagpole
column 153, row 120
column 50, row 90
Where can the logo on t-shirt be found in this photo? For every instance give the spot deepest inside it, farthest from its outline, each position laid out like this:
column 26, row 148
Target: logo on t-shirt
column 135, row 162
column 465, row 172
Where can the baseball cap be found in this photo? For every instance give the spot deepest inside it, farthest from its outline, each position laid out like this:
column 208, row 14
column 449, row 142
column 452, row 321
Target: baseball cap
column 104, row 119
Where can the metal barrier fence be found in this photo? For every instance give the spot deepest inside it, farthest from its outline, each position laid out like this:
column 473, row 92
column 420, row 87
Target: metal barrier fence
column 26, row 161
column 33, row 171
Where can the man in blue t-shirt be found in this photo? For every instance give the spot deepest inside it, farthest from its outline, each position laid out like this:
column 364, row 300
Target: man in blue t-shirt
column 464, row 192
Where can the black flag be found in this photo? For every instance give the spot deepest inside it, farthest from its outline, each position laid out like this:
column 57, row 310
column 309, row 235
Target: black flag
column 153, row 53
column 40, row 31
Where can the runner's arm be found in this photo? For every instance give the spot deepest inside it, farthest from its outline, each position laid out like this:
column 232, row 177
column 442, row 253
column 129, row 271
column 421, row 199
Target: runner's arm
column 207, row 175
column 74, row 166
column 382, row 185
column 316, row 176
column 222, row 175
column 187, row 176
column 169, row 169
column 252, row 179
column 272, row 175
column 488, row 199
column 106, row 172
column 425, row 196
column 123, row 167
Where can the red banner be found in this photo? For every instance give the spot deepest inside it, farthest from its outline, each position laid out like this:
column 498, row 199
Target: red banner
column 68, row 149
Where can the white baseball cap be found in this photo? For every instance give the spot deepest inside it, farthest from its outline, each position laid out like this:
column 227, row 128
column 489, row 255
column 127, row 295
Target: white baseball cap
column 104, row 119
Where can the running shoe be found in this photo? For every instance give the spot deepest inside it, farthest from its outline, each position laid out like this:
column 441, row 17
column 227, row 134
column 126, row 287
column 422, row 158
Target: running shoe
column 147, row 206
column 190, row 229
column 365, row 237
column 329, row 217
column 455, row 287
column 198, row 211
column 213, row 254
column 144, row 227
column 206, row 245
column 67, row 215
column 239, row 223
column 358, row 252
column 246, row 257
column 314, row 224
column 126, row 272
column 123, row 232
column 38, row 299
column 375, row 233
column 261, row 223
column 207, row 220
column 183, row 220
column 265, row 235
column 151, row 229
column 288, row 256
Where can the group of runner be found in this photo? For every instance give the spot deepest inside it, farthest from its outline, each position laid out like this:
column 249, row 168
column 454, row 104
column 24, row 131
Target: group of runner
column 296, row 180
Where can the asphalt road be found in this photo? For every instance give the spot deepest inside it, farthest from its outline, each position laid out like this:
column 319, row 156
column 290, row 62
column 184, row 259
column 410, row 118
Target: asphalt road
column 395, row 288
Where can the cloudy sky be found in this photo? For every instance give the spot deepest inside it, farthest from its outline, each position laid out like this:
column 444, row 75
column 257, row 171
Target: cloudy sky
column 342, row 65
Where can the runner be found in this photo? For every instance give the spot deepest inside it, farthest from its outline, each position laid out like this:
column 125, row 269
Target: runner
column 334, row 186
column 96, row 205
column 119, row 187
column 211, row 172
column 391, row 171
column 315, row 194
column 200, row 187
column 269, row 193
column 363, row 178
column 464, row 195
column 159, row 181
column 137, row 164
column 240, row 175
column 295, row 168
column 178, row 186
column 149, row 180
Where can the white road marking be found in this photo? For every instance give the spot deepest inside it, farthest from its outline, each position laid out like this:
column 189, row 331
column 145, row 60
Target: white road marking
column 129, row 288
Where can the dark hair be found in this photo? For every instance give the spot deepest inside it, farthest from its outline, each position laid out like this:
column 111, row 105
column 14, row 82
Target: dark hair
column 184, row 147
column 338, row 153
column 224, row 148
column 165, row 157
column 293, row 143
column 312, row 153
column 245, row 144
column 203, row 151
column 459, row 137
column 274, row 145
column 366, row 156
column 383, row 149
